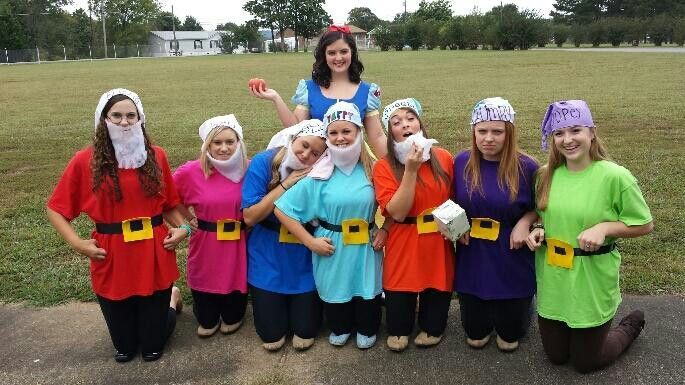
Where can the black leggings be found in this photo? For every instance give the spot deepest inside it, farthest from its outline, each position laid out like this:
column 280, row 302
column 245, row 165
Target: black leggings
column 362, row 315
column 277, row 315
column 210, row 308
column 400, row 311
column 509, row 318
column 144, row 322
column 588, row 349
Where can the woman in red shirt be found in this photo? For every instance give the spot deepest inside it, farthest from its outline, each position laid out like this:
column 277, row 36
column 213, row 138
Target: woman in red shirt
column 124, row 185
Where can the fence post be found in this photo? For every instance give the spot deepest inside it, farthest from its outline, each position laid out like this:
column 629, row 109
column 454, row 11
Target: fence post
column 7, row 58
column 115, row 50
column 138, row 49
column 90, row 52
column 64, row 50
column 38, row 53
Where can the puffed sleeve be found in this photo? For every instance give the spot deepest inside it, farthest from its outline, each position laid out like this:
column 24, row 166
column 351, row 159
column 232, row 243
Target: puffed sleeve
column 301, row 97
column 373, row 102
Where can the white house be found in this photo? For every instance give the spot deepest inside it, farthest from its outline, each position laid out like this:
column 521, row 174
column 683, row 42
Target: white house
column 187, row 43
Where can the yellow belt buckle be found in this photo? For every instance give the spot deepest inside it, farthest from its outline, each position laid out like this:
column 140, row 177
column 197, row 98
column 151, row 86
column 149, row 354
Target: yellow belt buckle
column 285, row 236
column 137, row 229
column 355, row 231
column 559, row 253
column 425, row 222
column 227, row 230
column 484, row 228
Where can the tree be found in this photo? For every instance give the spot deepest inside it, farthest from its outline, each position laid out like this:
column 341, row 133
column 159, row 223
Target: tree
column 472, row 27
column 438, row 10
column 679, row 31
column 616, row 29
column 228, row 26
column 560, row 33
column 272, row 14
column 308, row 18
column 191, row 24
column 543, row 33
column 363, row 18
column 577, row 11
column 660, row 29
column 383, row 37
column 166, row 21
column 129, row 22
column 596, row 33
column 578, row 34
column 431, row 34
column 397, row 36
column 452, row 34
column 13, row 33
column 80, row 31
column 413, row 33
column 509, row 29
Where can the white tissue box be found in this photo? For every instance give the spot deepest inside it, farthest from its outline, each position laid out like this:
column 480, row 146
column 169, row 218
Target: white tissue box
column 452, row 220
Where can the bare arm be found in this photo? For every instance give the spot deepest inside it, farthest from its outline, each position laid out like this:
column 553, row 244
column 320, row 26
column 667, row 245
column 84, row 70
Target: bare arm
column 287, row 117
column 176, row 234
column 257, row 212
column 519, row 234
column 376, row 135
column 403, row 199
column 86, row 247
column 593, row 238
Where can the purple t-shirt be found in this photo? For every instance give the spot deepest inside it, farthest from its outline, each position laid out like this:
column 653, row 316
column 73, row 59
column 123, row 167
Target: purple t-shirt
column 214, row 266
column 489, row 269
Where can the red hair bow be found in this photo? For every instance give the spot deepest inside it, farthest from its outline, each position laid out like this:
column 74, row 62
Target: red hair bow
column 337, row 28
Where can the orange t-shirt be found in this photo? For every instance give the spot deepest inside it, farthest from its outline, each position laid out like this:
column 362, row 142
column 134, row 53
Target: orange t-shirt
column 414, row 262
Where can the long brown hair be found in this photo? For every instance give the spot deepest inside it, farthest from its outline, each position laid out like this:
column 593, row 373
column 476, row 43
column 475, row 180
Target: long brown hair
column 509, row 169
column 104, row 163
column 439, row 174
column 556, row 159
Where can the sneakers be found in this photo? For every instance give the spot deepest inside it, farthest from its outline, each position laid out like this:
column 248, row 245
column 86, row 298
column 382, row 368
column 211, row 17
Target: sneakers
column 228, row 329
column 302, row 343
column 633, row 323
column 425, row 340
column 364, row 342
column 273, row 346
column 338, row 340
column 478, row 344
column 397, row 343
column 204, row 333
column 506, row 346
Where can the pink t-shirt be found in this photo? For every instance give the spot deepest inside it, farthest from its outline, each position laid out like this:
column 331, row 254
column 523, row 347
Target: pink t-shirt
column 214, row 266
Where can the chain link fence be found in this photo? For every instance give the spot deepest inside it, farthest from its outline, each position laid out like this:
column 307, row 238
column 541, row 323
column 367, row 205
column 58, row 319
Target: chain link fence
column 63, row 53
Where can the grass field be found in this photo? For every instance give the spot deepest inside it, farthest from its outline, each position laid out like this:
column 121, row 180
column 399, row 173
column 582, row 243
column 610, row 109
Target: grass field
column 46, row 114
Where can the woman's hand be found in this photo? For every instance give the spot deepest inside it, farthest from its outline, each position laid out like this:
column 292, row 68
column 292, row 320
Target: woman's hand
column 268, row 94
column 379, row 239
column 593, row 238
column 464, row 239
column 415, row 158
column 193, row 223
column 174, row 237
column 90, row 249
column 518, row 236
column 295, row 177
column 535, row 238
column 322, row 246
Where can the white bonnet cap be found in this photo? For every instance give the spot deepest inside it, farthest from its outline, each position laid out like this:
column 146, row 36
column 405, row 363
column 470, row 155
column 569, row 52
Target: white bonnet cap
column 118, row 91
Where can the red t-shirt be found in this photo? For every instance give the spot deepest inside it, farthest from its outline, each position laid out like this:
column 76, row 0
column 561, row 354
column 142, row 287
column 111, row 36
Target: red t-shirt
column 129, row 268
column 414, row 262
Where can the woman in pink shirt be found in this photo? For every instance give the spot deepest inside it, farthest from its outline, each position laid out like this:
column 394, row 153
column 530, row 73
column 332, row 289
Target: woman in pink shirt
column 217, row 263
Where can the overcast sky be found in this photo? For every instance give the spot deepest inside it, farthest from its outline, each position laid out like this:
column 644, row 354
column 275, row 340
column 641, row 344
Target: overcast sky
column 213, row 12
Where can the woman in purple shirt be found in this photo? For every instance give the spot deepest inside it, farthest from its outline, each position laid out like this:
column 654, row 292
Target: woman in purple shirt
column 493, row 183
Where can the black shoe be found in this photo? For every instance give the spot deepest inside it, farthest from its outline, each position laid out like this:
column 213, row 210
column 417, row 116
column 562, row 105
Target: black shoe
column 633, row 323
column 153, row 356
column 124, row 357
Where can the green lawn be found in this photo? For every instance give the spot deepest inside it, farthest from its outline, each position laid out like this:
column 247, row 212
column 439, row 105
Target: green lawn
column 46, row 114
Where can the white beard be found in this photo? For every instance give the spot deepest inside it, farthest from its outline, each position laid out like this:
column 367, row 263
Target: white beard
column 402, row 149
column 346, row 158
column 128, row 143
column 232, row 168
column 290, row 163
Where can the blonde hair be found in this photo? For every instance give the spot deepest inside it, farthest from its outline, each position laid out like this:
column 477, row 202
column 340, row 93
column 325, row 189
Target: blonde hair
column 204, row 158
column 509, row 169
column 275, row 165
column 556, row 159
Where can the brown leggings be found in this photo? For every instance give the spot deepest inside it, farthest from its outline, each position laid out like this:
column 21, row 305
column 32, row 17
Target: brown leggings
column 588, row 349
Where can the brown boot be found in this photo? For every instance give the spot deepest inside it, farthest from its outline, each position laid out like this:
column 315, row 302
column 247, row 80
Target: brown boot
column 397, row 343
column 633, row 323
column 424, row 340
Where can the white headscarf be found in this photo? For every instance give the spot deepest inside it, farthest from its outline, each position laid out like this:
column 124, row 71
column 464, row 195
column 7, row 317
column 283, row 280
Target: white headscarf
column 285, row 137
column 232, row 168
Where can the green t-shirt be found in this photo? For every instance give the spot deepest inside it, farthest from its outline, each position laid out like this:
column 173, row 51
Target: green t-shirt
column 588, row 294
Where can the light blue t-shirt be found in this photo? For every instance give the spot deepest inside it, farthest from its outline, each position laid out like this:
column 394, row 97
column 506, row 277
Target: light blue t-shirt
column 352, row 270
column 284, row 268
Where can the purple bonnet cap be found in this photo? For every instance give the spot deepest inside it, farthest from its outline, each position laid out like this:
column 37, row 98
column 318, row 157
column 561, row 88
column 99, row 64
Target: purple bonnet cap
column 565, row 113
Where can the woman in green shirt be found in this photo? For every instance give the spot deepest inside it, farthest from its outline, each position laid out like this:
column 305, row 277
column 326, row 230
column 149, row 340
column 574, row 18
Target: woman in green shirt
column 585, row 203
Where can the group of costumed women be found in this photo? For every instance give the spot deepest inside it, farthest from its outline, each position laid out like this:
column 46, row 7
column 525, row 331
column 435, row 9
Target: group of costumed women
column 297, row 226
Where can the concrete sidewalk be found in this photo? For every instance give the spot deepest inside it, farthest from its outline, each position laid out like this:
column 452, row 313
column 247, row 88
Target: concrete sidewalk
column 69, row 344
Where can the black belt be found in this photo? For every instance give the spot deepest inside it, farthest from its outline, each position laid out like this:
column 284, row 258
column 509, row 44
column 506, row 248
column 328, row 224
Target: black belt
column 211, row 226
column 136, row 225
column 276, row 226
column 339, row 228
column 583, row 253
column 412, row 220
